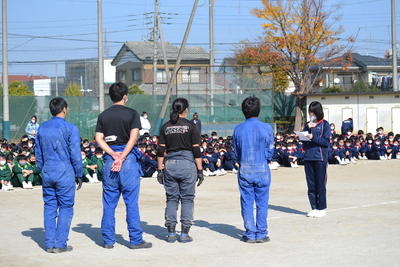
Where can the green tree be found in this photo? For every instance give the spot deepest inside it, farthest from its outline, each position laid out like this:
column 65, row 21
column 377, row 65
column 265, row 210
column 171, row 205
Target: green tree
column 17, row 88
column 135, row 90
column 73, row 89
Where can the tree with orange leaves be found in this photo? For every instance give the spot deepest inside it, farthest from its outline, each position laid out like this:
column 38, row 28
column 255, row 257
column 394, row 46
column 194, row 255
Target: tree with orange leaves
column 299, row 36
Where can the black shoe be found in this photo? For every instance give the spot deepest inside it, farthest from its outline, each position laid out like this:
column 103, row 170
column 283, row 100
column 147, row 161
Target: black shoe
column 185, row 239
column 171, row 238
column 62, row 250
column 264, row 240
column 50, row 250
column 143, row 245
column 247, row 240
column 108, row 246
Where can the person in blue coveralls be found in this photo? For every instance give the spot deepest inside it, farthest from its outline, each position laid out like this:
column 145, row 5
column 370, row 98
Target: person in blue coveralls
column 316, row 159
column 58, row 156
column 117, row 131
column 254, row 145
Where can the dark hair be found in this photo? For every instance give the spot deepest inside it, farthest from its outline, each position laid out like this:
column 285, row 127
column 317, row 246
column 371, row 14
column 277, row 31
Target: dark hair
column 144, row 112
column 57, row 105
column 178, row 107
column 251, row 107
column 117, row 91
column 316, row 108
column 34, row 117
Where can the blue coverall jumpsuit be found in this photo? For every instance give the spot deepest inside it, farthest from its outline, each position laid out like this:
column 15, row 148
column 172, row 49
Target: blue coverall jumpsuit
column 254, row 145
column 58, row 156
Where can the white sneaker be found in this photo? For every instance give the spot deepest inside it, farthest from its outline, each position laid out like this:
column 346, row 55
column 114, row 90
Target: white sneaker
column 10, row 187
column 272, row 167
column 347, row 161
column 4, row 187
column 292, row 165
column 311, row 213
column 353, row 160
column 154, row 174
column 234, row 171
column 342, row 162
column 397, row 156
column 30, row 186
column 95, row 179
column 382, row 158
column 24, row 185
column 320, row 213
column 223, row 171
column 365, row 157
column 206, row 173
column 213, row 173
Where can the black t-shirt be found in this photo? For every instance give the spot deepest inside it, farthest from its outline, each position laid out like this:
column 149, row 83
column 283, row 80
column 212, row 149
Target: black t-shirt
column 116, row 124
column 180, row 136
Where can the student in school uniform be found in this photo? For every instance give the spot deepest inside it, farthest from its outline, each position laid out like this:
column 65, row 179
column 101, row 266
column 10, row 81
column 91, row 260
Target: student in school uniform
column 349, row 151
column 396, row 149
column 148, row 161
column 342, row 153
column 316, row 159
column 37, row 178
column 209, row 162
column 230, row 160
column 333, row 156
column 387, row 149
column 379, row 147
column 89, row 170
column 98, row 159
column 5, row 175
column 23, row 176
column 275, row 157
column 371, row 150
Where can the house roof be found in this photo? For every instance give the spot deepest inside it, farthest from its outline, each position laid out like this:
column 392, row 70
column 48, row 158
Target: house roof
column 25, row 78
column 144, row 52
column 359, row 61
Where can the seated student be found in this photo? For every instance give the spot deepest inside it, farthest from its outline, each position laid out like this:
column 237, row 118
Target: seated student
column 31, row 145
column 380, row 134
column 5, row 175
column 89, row 170
column 274, row 164
column 390, row 137
column 219, row 157
column 371, row 150
column 203, row 147
column 291, row 155
column 98, row 159
column 148, row 162
column 396, row 149
column 230, row 162
column 91, row 152
column 387, row 149
column 37, row 178
column 343, row 154
column 360, row 134
column 334, row 155
column 23, row 176
column 359, row 150
column 379, row 147
column 209, row 162
column 10, row 161
column 350, row 151
column 85, row 143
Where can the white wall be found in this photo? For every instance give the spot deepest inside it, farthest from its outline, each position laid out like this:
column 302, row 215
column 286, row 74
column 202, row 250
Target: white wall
column 109, row 71
column 386, row 106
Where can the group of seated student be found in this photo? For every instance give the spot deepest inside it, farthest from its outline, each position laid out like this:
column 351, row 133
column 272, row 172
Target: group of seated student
column 18, row 163
column 345, row 148
column 217, row 155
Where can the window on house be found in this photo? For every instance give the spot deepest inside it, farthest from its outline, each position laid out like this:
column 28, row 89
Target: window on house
column 190, row 75
column 136, row 75
column 162, row 75
column 121, row 76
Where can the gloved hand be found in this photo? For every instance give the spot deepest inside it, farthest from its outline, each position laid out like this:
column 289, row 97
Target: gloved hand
column 79, row 182
column 200, row 177
column 160, row 176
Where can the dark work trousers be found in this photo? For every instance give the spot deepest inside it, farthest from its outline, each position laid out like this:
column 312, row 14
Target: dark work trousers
column 316, row 175
column 180, row 177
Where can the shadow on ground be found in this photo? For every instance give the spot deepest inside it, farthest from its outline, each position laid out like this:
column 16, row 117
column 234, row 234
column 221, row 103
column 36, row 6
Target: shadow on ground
column 286, row 209
column 37, row 235
column 221, row 228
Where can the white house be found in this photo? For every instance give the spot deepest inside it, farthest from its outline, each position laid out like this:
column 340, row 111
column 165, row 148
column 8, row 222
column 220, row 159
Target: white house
column 368, row 110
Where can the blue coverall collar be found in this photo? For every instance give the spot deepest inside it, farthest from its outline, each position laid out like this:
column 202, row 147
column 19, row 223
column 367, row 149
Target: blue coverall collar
column 252, row 119
column 55, row 117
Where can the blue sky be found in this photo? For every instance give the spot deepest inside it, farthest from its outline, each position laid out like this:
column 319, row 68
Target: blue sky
column 123, row 20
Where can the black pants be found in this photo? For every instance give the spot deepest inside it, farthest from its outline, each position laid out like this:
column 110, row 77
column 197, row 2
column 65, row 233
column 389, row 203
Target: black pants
column 316, row 182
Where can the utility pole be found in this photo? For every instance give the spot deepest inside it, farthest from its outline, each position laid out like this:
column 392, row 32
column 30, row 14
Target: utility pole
column 155, row 38
column 211, row 39
column 56, row 80
column 6, row 109
column 394, row 47
column 163, row 49
column 172, row 80
column 100, row 50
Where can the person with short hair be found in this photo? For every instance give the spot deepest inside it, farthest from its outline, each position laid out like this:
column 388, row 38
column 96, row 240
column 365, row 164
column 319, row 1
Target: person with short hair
column 5, row 174
column 196, row 121
column 23, row 176
column 316, row 158
column 117, row 131
column 253, row 141
column 58, row 156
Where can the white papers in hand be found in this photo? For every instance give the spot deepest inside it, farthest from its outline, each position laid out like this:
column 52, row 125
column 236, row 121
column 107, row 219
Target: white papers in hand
column 302, row 135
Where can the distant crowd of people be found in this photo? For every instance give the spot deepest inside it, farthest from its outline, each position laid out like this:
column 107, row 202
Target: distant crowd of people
column 18, row 163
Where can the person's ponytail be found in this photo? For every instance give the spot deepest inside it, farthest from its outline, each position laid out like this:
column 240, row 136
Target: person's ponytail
column 178, row 107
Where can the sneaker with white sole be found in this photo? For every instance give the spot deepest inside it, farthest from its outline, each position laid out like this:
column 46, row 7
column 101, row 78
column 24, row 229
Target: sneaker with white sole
column 235, row 171
column 272, row 167
column 312, row 213
column 320, row 213
column 24, row 185
column 30, row 186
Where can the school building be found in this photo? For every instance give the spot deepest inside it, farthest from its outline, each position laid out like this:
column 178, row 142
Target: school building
column 369, row 110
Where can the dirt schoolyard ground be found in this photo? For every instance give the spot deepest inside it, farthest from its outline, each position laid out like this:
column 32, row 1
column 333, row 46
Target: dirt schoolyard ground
column 362, row 227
